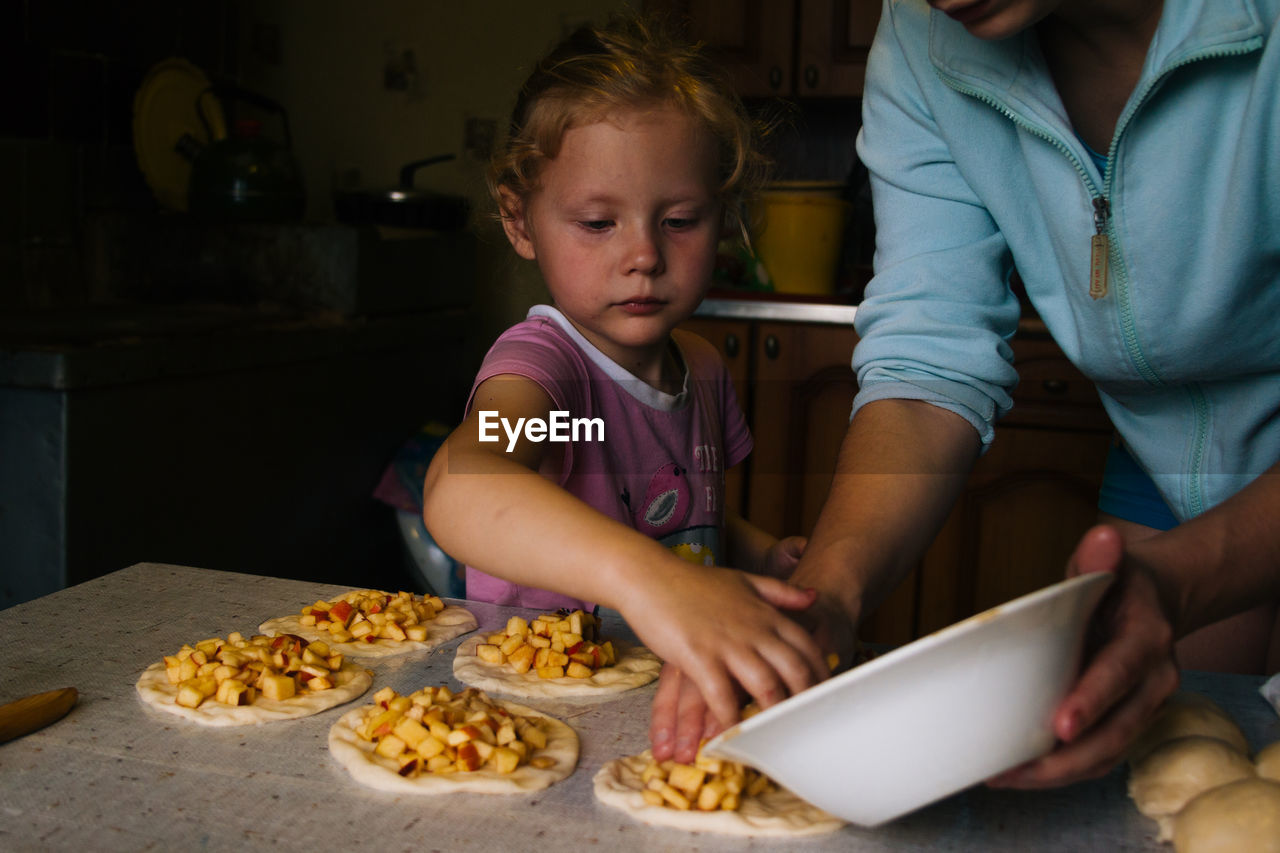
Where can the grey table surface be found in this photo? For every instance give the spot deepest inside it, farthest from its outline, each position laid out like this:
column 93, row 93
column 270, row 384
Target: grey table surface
column 114, row 775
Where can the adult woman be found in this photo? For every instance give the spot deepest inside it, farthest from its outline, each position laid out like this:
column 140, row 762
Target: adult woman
column 1118, row 153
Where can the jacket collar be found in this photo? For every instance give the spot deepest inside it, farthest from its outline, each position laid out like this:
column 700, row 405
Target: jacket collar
column 1013, row 69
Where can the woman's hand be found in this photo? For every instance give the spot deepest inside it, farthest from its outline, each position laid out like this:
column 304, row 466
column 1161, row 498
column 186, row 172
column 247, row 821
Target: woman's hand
column 1129, row 672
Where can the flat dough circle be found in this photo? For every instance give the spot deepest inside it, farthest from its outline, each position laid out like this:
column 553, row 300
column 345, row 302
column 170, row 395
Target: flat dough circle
column 636, row 667
column 1175, row 772
column 1242, row 815
column 155, row 690
column 1267, row 761
column 778, row 813
column 374, row 771
column 1186, row 714
column 449, row 623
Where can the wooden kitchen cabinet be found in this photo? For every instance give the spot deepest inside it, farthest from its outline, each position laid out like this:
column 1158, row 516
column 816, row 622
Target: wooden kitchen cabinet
column 1023, row 509
column 1029, row 498
column 795, row 383
column 803, row 48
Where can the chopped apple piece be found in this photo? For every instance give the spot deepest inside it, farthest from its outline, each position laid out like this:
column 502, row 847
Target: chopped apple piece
column 278, row 687
column 457, row 737
column 411, row 732
column 468, row 757
column 189, row 696
column 711, row 795
column 757, row 785
column 686, row 778
column 430, row 746
column 389, row 746
column 521, row 659
column 232, row 692
column 505, row 760
column 674, row 797
column 534, row 736
column 490, row 653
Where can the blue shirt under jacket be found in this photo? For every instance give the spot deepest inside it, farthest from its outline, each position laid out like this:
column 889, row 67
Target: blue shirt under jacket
column 975, row 167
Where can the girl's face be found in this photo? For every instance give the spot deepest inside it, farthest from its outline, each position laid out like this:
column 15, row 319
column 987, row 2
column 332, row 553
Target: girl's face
column 996, row 19
column 624, row 225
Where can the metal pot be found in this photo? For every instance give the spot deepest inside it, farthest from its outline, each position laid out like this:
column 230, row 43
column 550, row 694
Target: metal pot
column 403, row 206
column 244, row 177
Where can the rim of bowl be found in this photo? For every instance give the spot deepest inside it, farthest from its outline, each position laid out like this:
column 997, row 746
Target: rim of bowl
column 915, row 647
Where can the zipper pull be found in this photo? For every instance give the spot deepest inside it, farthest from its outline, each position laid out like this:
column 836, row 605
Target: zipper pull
column 1099, row 248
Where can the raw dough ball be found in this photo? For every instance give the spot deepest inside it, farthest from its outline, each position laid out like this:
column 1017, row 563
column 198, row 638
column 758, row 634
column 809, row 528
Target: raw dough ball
column 1243, row 815
column 1268, row 761
column 1186, row 714
column 1177, row 770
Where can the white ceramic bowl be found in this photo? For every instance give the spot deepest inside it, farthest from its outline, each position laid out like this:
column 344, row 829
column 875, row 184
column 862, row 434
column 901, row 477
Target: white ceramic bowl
column 930, row 718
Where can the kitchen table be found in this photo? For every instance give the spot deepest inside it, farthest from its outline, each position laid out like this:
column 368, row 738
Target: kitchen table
column 114, row 775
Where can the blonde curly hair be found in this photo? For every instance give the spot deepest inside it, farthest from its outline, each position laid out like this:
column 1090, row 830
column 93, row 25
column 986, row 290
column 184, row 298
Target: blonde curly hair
column 629, row 63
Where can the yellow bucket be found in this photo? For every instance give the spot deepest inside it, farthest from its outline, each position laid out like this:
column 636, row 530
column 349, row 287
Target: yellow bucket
column 797, row 231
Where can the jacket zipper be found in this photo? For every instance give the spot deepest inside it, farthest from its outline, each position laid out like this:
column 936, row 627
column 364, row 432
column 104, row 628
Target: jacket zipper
column 1100, row 244
column 1099, row 248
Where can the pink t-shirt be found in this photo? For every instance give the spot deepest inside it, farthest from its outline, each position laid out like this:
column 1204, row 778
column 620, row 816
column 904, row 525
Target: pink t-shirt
column 660, row 466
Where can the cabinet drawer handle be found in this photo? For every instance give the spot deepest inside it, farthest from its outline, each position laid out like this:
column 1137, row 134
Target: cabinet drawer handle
column 731, row 345
column 775, row 77
column 1054, row 386
column 771, row 347
column 811, row 76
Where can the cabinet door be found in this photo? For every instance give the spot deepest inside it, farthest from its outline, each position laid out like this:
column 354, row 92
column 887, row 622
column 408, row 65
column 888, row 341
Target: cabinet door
column 804, row 393
column 751, row 39
column 835, row 37
column 1025, row 507
column 804, row 389
column 733, row 339
column 1029, row 498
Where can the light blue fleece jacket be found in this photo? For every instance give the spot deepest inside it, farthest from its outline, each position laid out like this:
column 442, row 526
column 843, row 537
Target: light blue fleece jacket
column 974, row 167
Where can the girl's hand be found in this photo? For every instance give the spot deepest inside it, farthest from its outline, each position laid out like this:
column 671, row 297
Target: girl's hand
column 1130, row 672
column 781, row 559
column 681, row 718
column 718, row 629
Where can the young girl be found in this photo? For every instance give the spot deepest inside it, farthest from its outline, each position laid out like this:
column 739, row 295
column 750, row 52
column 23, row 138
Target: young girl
column 590, row 466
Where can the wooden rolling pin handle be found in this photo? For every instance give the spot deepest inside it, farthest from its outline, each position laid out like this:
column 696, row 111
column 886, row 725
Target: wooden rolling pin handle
column 35, row 712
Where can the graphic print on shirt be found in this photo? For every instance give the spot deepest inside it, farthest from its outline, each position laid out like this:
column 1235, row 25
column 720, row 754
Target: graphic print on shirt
column 666, row 502
column 665, row 509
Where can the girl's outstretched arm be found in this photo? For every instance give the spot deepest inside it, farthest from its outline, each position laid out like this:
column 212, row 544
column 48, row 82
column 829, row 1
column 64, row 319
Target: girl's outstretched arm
column 492, row 509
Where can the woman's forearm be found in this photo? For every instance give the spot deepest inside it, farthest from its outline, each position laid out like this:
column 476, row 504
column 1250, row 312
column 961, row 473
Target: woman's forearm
column 901, row 467
column 1222, row 562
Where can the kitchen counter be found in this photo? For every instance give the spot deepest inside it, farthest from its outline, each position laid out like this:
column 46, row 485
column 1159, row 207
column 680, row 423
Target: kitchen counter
column 111, row 346
column 773, row 306
column 114, row 775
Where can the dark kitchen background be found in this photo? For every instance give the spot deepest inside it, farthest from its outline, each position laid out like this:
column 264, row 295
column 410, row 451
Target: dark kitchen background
column 175, row 388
